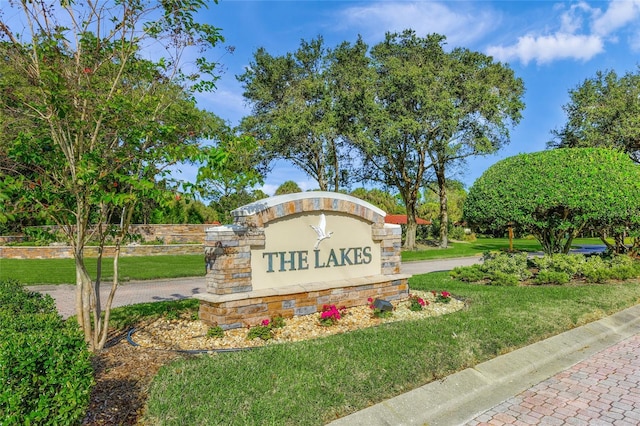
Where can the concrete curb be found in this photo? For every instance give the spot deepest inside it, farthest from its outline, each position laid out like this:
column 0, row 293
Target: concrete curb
column 462, row 396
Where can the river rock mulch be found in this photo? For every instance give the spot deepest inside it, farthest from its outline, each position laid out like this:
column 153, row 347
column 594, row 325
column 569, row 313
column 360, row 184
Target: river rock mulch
column 124, row 371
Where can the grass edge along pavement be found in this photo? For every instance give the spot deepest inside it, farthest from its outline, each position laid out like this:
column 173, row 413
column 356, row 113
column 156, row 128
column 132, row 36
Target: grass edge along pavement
column 336, row 376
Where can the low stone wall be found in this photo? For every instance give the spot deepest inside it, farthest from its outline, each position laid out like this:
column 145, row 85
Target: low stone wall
column 168, row 233
column 249, row 309
column 65, row 252
column 172, row 234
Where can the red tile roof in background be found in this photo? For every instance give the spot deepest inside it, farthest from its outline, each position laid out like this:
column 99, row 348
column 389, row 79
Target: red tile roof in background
column 401, row 219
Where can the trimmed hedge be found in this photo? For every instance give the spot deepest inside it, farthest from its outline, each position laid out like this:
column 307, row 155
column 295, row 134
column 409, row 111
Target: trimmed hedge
column 45, row 367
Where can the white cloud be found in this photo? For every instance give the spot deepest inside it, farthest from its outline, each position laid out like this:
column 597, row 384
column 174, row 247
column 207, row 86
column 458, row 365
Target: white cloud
column 461, row 25
column 545, row 49
column 582, row 33
column 618, row 15
column 573, row 20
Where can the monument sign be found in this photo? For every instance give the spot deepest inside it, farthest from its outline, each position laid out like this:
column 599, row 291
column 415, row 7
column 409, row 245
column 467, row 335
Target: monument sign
column 291, row 254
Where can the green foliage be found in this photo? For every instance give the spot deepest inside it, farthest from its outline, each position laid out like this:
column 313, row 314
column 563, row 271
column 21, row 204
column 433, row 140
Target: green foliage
column 243, row 168
column 381, row 199
column 499, row 278
column 624, row 267
column 420, row 109
column 472, row 273
column 596, row 270
column 429, row 207
column 555, row 194
column 295, row 112
column 570, row 264
column 45, row 367
column 551, row 277
column 416, row 303
column 225, row 204
column 40, row 236
column 457, row 233
column 277, row 322
column 500, row 269
column 506, row 269
column 604, row 111
column 215, row 332
column 91, row 127
column 263, row 332
column 287, row 187
column 515, row 264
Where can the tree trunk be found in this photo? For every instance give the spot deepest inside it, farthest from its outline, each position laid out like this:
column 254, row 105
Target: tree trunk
column 410, row 234
column 83, row 298
column 444, row 213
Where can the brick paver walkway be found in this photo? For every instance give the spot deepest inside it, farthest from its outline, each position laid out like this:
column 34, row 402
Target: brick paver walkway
column 601, row 390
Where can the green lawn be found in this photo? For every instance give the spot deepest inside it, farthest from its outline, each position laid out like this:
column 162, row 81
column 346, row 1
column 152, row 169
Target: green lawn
column 481, row 245
column 316, row 381
column 62, row 271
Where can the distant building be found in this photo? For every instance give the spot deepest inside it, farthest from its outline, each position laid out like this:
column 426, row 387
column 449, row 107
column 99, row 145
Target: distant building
column 401, row 219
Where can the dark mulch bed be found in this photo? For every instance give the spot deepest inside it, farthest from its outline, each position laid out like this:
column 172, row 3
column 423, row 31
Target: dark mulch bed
column 123, row 374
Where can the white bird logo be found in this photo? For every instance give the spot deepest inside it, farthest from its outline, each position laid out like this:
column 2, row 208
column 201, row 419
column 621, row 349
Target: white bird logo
column 321, row 231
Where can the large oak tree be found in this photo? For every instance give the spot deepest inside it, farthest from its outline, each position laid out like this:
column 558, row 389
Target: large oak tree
column 417, row 108
column 295, row 111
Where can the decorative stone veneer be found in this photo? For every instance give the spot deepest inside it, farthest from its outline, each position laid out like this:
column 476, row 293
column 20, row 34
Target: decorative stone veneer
column 66, row 252
column 233, row 301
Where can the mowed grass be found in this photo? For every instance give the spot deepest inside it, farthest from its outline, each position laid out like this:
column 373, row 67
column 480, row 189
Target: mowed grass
column 62, row 271
column 481, row 245
column 316, row 381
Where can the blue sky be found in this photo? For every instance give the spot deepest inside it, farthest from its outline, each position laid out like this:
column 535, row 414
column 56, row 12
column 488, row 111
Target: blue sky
column 553, row 46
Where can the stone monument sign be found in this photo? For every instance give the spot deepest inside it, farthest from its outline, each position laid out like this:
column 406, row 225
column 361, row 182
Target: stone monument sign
column 291, row 254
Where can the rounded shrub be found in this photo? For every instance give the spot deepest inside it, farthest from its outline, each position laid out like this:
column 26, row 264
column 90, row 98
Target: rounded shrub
column 471, row 274
column 45, row 366
column 506, row 263
column 570, row 264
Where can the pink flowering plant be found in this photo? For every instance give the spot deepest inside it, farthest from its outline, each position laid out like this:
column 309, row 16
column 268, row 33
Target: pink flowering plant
column 331, row 315
column 442, row 297
column 416, row 303
column 264, row 331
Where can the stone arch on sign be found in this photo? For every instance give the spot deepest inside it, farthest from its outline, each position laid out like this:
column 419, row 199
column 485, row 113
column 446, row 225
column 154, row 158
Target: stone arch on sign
column 290, row 254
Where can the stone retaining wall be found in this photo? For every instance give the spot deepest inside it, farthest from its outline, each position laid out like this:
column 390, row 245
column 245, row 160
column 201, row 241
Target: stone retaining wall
column 65, row 252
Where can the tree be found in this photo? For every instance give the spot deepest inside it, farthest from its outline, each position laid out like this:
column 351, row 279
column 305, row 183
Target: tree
column 380, row 199
column 288, row 187
column 423, row 109
column 604, row 111
column 90, row 127
column 430, row 202
column 225, row 204
column 294, row 111
column 243, row 168
column 555, row 194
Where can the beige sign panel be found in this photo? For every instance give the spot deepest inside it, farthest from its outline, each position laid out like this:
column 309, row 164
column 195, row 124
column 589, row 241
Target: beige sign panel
column 314, row 246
